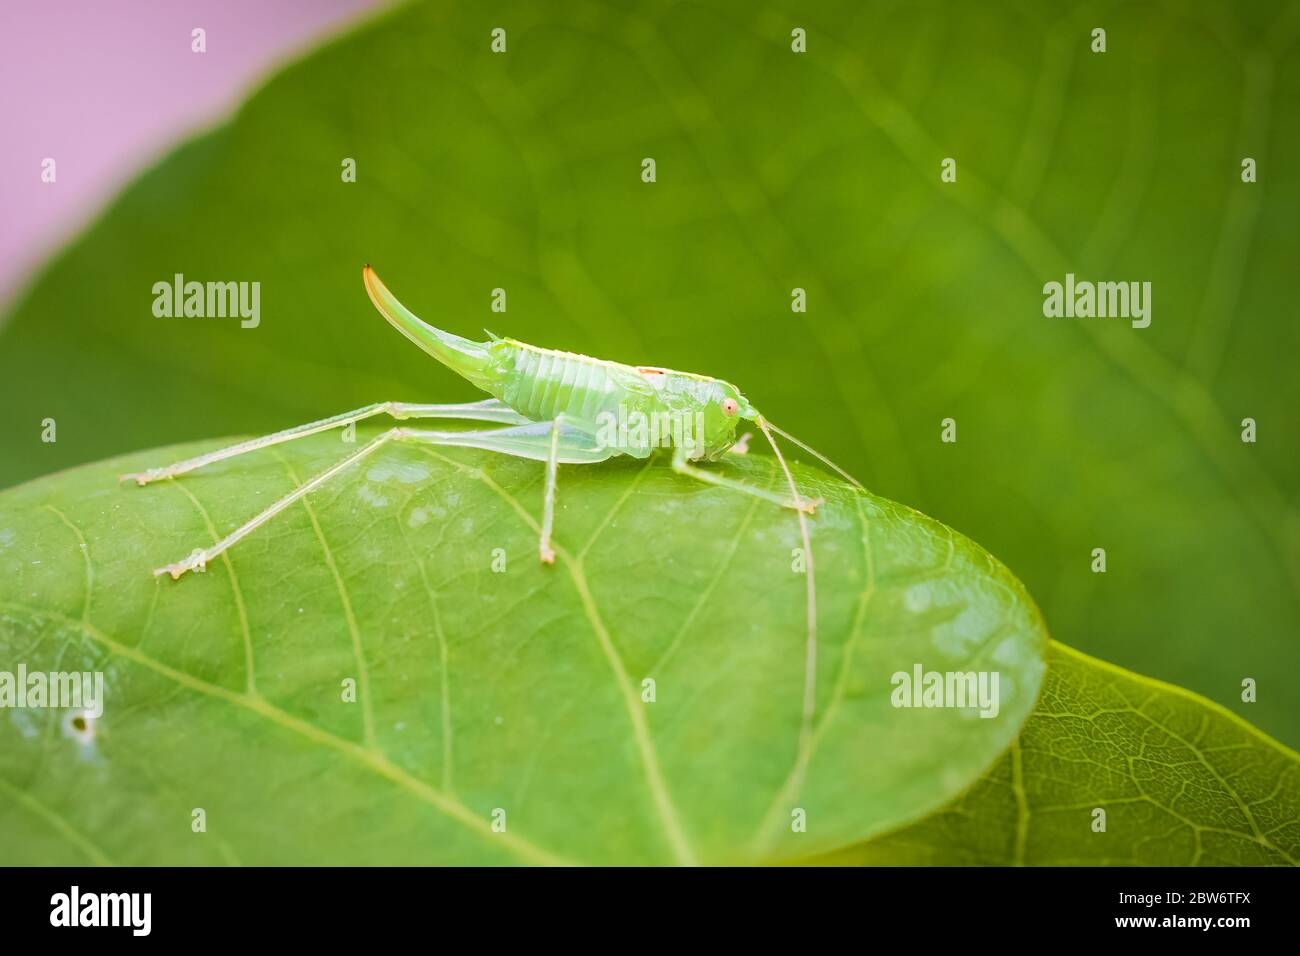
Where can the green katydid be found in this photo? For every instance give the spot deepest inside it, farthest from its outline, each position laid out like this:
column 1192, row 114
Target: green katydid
column 552, row 405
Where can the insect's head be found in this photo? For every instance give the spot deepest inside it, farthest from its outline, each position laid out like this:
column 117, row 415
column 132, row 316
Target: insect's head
column 722, row 413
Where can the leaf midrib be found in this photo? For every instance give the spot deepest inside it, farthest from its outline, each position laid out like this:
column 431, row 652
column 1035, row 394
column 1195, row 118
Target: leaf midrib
column 371, row 759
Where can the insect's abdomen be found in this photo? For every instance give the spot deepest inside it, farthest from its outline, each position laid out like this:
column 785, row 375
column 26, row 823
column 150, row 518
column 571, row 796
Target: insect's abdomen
column 545, row 384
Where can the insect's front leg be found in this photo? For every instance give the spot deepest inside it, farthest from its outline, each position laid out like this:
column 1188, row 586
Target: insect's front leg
column 683, row 466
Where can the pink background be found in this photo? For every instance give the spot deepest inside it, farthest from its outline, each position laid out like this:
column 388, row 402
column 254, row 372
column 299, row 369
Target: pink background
column 105, row 86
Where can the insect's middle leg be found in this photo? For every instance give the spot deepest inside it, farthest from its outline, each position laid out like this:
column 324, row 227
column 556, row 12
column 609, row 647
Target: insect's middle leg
column 544, row 549
column 489, row 410
column 553, row 442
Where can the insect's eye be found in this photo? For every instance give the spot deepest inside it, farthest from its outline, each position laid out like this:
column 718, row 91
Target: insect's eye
column 729, row 407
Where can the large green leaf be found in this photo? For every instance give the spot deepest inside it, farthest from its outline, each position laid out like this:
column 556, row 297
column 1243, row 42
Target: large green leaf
column 481, row 685
column 1181, row 781
column 777, row 170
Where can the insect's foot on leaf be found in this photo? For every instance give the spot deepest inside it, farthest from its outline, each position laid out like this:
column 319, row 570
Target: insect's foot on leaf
column 808, row 506
column 140, row 477
column 598, row 748
column 195, row 562
column 547, row 554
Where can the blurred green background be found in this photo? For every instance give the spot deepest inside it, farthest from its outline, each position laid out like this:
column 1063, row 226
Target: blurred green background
column 775, row 170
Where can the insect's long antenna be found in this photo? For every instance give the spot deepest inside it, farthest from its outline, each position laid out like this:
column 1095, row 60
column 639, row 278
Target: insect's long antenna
column 810, row 648
column 818, row 455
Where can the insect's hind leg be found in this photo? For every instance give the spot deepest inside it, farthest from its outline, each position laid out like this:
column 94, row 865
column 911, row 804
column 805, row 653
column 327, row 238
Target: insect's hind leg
column 489, row 410
column 199, row 559
column 552, row 442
